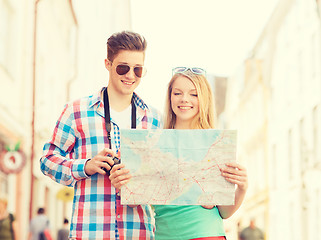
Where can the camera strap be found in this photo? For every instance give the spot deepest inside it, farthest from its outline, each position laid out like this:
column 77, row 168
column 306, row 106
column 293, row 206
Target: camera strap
column 107, row 116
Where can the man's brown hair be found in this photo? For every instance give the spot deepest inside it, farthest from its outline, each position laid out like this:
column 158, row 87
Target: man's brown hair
column 125, row 40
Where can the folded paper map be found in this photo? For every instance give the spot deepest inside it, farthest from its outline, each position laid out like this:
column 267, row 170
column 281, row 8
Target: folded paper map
column 177, row 167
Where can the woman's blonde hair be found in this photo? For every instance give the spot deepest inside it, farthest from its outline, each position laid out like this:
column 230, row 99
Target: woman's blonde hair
column 205, row 117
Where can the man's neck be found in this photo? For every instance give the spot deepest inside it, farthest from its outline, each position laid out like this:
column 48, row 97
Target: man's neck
column 117, row 101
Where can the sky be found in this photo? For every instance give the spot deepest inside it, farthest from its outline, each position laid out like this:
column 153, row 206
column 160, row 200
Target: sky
column 216, row 35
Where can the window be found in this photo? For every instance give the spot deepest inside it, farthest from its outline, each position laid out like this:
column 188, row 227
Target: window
column 300, row 70
column 313, row 54
column 6, row 26
column 303, row 147
column 318, row 214
column 3, row 177
column 315, row 134
column 3, row 183
column 274, row 167
column 290, row 154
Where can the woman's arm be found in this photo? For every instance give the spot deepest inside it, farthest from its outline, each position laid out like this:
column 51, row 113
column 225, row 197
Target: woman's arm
column 234, row 173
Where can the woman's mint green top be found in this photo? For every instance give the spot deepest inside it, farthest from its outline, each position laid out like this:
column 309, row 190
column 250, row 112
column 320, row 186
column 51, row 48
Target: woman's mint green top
column 187, row 222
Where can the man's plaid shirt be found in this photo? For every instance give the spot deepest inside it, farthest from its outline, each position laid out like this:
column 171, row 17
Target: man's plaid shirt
column 79, row 135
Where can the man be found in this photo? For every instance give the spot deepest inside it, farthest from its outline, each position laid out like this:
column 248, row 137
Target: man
column 63, row 233
column 38, row 224
column 252, row 232
column 81, row 149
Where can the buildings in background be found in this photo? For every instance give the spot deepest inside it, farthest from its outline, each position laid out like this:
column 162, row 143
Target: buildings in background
column 44, row 58
column 33, row 67
column 274, row 100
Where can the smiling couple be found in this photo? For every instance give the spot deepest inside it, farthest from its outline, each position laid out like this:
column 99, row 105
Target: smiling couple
column 87, row 137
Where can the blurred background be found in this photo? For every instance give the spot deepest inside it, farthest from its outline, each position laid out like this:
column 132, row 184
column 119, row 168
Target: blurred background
column 263, row 59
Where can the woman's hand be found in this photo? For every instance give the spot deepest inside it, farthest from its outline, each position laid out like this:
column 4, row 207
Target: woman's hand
column 235, row 173
column 208, row 206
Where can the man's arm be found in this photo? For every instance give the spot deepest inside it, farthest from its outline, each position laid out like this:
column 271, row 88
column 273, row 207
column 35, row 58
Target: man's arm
column 56, row 162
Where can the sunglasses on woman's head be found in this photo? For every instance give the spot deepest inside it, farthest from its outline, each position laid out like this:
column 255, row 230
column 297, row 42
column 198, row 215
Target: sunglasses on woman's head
column 195, row 70
column 139, row 71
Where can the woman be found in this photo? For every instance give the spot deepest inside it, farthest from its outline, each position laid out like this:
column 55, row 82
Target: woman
column 7, row 221
column 190, row 105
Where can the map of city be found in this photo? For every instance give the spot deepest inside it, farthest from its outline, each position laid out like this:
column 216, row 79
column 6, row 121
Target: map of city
column 177, row 167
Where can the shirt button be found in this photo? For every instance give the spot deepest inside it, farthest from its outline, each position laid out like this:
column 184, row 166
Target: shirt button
column 118, row 216
column 118, row 194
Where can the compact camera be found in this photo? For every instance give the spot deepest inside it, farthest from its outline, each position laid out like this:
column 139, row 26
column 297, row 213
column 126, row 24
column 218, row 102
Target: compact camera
column 116, row 161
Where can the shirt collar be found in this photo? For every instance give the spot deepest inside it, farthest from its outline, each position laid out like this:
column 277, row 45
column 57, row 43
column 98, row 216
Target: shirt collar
column 96, row 100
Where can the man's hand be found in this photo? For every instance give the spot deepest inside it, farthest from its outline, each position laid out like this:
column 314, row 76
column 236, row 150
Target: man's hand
column 119, row 176
column 100, row 161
